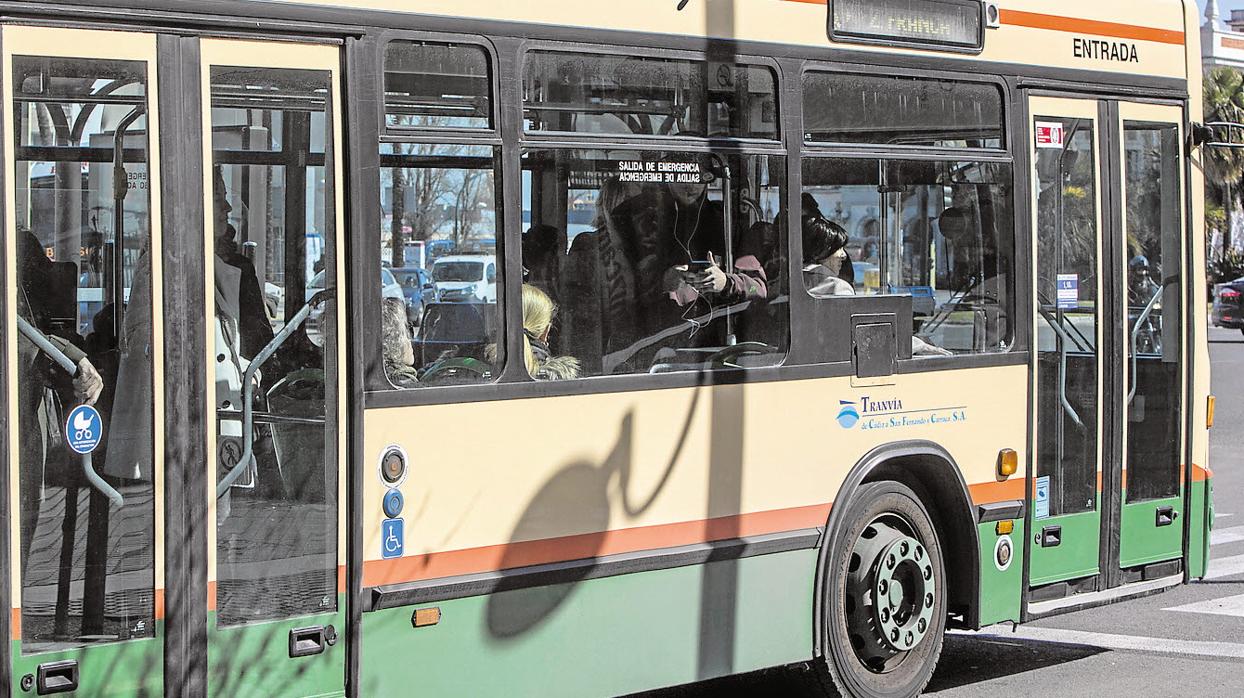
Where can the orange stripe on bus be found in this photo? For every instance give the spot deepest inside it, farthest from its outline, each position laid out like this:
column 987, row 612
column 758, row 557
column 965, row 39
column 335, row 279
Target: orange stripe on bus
column 1036, row 20
column 589, row 545
column 592, row 545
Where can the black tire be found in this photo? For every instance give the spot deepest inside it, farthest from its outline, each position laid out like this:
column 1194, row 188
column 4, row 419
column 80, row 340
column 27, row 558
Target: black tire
column 859, row 658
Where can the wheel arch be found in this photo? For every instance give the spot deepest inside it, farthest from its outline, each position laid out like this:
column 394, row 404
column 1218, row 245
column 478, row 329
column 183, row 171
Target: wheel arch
column 934, row 475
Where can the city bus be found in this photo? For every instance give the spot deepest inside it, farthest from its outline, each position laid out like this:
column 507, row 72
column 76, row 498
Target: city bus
column 817, row 329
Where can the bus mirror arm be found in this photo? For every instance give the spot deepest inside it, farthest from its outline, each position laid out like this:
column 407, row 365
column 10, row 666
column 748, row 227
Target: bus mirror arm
column 1207, row 134
column 47, row 347
column 248, row 388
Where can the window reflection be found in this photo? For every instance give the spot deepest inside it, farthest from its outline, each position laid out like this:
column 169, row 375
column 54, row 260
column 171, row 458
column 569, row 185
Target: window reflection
column 648, row 96
column 84, row 285
column 887, row 110
column 274, row 226
column 439, row 261
column 634, row 252
column 939, row 231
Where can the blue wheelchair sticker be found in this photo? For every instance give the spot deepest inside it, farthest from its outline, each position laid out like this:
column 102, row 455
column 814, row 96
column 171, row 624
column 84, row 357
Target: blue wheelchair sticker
column 83, row 429
column 392, row 538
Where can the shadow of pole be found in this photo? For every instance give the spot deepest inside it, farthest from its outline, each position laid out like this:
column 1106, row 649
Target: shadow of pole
column 720, row 581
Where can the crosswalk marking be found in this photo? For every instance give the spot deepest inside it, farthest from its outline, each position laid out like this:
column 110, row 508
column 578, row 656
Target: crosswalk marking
column 1235, row 534
column 1156, row 645
column 1220, row 567
column 1227, row 606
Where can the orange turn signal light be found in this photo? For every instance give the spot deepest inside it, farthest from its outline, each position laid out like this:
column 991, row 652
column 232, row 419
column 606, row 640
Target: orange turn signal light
column 1004, row 528
column 1008, row 462
column 1209, row 412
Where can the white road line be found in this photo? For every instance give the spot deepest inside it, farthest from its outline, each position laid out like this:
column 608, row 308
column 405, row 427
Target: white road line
column 1223, row 516
column 1222, row 536
column 1220, row 567
column 1227, row 606
column 1157, row 645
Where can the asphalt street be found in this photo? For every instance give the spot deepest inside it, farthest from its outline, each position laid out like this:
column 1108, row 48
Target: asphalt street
column 1186, row 641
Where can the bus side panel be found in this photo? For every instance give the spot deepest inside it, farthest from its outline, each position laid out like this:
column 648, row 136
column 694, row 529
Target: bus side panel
column 608, row 636
column 1001, row 585
column 99, row 666
column 233, row 659
column 1201, row 521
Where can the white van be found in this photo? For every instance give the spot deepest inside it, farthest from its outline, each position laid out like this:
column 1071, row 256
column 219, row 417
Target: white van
column 471, row 278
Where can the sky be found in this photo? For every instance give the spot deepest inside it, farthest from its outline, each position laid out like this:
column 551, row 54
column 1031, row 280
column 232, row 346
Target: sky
column 1225, row 5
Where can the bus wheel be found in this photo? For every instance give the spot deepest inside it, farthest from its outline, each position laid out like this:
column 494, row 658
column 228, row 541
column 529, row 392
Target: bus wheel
column 885, row 597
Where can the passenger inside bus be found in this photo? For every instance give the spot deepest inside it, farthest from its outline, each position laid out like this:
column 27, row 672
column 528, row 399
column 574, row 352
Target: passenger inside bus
column 399, row 354
column 824, row 245
column 652, row 267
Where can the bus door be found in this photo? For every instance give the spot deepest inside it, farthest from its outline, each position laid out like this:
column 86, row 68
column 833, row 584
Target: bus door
column 1068, row 343
column 1107, row 493
column 83, row 356
column 273, row 219
column 1149, row 273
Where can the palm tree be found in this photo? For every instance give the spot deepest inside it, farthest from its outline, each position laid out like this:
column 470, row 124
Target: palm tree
column 1224, row 167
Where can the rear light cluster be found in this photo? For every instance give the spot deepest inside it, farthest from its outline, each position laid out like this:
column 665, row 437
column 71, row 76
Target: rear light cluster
column 1229, row 294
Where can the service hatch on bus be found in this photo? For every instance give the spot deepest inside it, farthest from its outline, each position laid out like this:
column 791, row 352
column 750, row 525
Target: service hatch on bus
column 740, row 335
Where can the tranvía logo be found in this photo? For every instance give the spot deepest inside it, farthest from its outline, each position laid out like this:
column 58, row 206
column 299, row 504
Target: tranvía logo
column 848, row 416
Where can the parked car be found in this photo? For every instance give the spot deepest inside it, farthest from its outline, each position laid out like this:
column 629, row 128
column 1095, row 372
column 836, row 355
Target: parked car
column 389, row 288
column 418, row 289
column 470, row 278
column 1228, row 308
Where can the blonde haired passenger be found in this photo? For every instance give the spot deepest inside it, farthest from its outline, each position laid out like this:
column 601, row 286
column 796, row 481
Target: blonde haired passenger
column 538, row 313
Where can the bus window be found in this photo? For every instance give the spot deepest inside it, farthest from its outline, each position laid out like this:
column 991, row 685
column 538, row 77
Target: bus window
column 633, row 251
column 885, row 110
column 274, row 227
column 940, row 231
column 1154, row 273
column 84, row 284
column 1067, row 329
column 444, row 196
column 436, row 85
column 630, row 95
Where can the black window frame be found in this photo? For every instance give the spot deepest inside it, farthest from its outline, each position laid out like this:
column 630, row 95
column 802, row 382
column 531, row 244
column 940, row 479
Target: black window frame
column 723, row 146
column 1010, row 152
column 376, row 379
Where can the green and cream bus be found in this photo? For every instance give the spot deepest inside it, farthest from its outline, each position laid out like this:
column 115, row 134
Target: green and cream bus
column 576, row 348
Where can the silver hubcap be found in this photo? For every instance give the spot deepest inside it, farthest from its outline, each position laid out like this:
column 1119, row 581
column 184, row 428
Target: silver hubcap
column 890, row 594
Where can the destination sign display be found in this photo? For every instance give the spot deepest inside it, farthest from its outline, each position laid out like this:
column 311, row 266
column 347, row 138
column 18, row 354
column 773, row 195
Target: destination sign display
column 955, row 25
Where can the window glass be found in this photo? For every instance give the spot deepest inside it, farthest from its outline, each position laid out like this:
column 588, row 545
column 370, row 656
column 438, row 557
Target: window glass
column 632, row 95
column 1154, row 272
column 884, row 110
column 83, row 272
column 439, row 236
column 630, row 267
column 1068, row 315
column 939, row 231
column 274, row 225
column 436, row 85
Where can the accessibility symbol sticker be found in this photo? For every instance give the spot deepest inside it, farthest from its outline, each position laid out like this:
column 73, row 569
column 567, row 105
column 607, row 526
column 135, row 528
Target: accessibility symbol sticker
column 392, row 538
column 83, row 429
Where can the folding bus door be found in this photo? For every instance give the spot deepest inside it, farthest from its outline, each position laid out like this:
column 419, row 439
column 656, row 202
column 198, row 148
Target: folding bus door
column 1067, row 240
column 273, row 207
column 83, row 355
column 1150, row 273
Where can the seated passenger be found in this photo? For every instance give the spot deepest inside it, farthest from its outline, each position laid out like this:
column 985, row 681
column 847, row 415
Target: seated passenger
column 538, row 313
column 399, row 355
column 694, row 239
column 824, row 250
